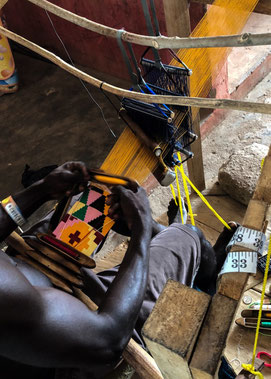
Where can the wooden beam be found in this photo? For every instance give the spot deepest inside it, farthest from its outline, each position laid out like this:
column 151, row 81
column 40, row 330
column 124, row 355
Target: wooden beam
column 171, row 330
column 245, row 106
column 177, row 18
column 159, row 42
column 263, row 6
column 213, row 335
column 195, row 165
column 178, row 24
column 263, row 190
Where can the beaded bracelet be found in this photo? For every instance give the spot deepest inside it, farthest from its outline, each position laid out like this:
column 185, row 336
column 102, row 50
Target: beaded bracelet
column 13, row 210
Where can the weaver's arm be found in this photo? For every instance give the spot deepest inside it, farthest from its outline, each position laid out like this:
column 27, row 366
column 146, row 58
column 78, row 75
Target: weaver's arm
column 49, row 328
column 58, row 183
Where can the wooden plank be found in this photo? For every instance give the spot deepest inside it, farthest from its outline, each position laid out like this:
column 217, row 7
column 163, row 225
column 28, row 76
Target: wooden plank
column 213, row 335
column 263, row 189
column 178, row 24
column 263, row 6
column 172, row 328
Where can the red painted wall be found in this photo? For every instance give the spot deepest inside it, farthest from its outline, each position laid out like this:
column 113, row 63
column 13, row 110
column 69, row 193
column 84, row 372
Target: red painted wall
column 85, row 47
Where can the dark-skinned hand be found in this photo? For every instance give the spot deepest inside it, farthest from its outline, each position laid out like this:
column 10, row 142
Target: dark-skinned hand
column 129, row 206
column 69, row 178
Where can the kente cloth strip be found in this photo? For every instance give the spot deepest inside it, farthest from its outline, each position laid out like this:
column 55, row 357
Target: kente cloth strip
column 87, row 222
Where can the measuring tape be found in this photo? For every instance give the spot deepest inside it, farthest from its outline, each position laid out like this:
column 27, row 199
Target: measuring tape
column 240, row 261
column 247, row 238
column 244, row 261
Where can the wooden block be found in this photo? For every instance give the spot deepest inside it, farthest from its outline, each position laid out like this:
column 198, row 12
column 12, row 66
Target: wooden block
column 171, row 330
column 213, row 334
column 232, row 284
column 263, row 189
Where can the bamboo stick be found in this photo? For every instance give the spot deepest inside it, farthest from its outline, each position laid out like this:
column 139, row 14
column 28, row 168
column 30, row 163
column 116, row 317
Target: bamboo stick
column 160, row 42
column 244, row 106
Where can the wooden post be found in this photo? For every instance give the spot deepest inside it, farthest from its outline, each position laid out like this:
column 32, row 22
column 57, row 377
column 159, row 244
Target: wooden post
column 178, row 24
column 171, row 330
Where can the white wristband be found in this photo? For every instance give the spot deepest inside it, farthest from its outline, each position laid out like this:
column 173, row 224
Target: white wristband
column 13, row 211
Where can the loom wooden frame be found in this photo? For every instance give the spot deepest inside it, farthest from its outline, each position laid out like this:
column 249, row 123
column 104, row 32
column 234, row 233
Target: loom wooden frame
column 160, row 42
column 245, row 106
column 258, row 204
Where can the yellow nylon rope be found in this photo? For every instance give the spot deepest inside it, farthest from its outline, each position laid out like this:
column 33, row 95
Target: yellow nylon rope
column 190, row 212
column 250, row 367
column 207, row 203
column 179, row 194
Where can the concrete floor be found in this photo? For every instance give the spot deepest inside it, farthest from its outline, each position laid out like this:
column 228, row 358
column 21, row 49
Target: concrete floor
column 50, row 120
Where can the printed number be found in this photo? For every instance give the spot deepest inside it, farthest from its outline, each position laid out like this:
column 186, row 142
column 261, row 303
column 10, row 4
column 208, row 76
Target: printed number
column 234, row 263
column 243, row 263
column 239, row 237
column 258, row 243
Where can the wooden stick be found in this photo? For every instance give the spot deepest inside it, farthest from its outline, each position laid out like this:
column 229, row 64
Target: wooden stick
column 55, row 267
column 245, row 106
column 57, row 257
column 18, row 243
column 160, row 42
column 134, row 354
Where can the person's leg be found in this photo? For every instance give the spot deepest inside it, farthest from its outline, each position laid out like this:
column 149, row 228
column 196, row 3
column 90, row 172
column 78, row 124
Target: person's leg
column 174, row 214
